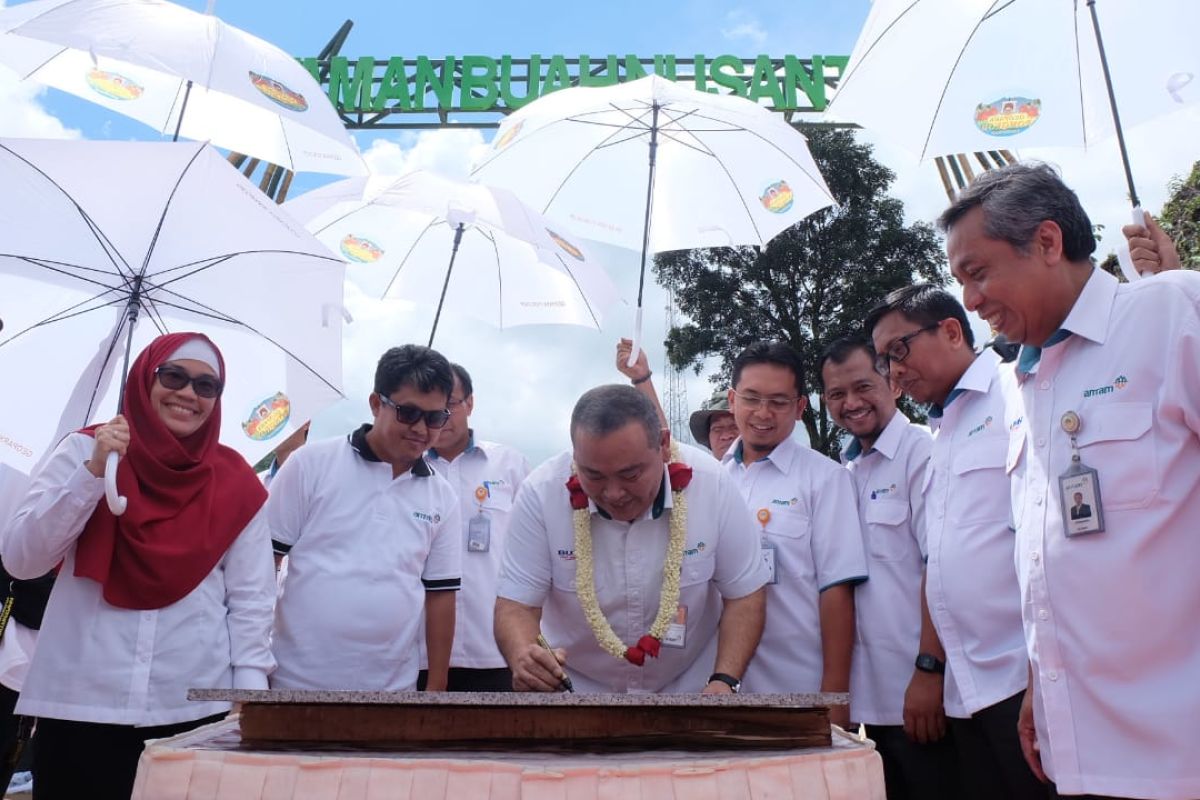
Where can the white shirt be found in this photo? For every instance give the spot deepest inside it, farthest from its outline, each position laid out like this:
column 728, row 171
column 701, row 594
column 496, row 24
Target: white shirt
column 494, row 472
column 889, row 478
column 818, row 543
column 363, row 548
column 1111, row 618
column 970, row 582
column 98, row 663
column 720, row 560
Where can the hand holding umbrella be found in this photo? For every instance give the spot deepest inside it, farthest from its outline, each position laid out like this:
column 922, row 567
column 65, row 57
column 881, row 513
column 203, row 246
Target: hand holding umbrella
column 112, row 442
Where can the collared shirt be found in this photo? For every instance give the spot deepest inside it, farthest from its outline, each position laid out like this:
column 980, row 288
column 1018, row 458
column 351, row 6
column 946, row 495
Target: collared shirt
column 363, row 548
column 1111, row 618
column 486, row 477
column 889, row 478
column 812, row 524
column 98, row 663
column 720, row 560
column 971, row 583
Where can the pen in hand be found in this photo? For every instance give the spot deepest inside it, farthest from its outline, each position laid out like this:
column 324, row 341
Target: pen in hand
column 566, row 681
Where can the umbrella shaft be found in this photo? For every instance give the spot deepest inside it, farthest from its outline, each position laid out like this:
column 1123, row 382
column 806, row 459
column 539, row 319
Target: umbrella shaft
column 131, row 316
column 1112, row 104
column 649, row 199
column 179, row 122
column 458, row 234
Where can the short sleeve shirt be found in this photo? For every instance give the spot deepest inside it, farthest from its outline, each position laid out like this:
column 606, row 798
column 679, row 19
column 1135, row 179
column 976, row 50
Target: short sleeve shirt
column 363, row 548
column 812, row 524
column 889, row 478
column 720, row 560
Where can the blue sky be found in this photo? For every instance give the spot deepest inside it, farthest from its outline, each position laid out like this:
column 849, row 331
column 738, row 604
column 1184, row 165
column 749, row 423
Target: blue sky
column 526, row 378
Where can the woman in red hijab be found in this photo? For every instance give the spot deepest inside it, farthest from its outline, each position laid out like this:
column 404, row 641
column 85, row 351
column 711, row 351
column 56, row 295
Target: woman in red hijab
column 174, row 594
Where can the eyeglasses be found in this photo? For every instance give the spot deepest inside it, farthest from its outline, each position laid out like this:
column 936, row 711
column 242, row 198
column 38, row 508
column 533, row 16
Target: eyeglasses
column 776, row 403
column 175, row 378
column 899, row 349
column 410, row 414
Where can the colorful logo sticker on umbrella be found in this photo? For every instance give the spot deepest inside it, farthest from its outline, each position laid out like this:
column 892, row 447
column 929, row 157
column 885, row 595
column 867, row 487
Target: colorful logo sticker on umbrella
column 505, row 139
column 268, row 417
column 1008, row 116
column 570, row 249
column 777, row 198
column 360, row 249
column 278, row 93
column 113, row 85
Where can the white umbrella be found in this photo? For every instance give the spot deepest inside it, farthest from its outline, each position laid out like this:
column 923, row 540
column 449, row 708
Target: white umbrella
column 183, row 73
column 658, row 165
column 104, row 245
column 949, row 76
column 421, row 237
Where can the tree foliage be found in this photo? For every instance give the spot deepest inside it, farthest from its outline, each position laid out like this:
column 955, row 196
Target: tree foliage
column 1181, row 217
column 812, row 283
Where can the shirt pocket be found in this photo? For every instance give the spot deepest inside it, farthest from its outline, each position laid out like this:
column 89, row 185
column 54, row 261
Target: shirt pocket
column 696, row 570
column 968, row 465
column 888, row 539
column 562, row 574
column 499, row 498
column 789, row 531
column 1116, row 440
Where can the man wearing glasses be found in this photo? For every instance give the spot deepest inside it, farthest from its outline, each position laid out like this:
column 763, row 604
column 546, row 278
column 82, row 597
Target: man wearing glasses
column 486, row 477
column 808, row 523
column 373, row 538
column 971, row 664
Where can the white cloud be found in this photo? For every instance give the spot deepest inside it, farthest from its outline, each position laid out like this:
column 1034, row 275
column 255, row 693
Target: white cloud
column 448, row 152
column 741, row 26
column 24, row 115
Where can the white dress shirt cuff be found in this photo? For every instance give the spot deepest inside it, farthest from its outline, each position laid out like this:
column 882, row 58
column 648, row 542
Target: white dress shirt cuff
column 249, row 678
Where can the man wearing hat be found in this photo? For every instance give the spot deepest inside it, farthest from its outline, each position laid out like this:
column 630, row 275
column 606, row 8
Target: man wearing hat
column 713, row 424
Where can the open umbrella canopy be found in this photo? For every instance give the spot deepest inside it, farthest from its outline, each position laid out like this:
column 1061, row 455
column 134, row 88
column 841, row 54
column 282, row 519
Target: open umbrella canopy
column 727, row 172
column 90, row 230
column 511, row 265
column 180, row 72
column 952, row 76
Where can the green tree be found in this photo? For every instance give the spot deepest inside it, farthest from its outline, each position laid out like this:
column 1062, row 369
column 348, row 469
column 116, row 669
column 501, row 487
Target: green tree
column 812, row 283
column 1181, row 217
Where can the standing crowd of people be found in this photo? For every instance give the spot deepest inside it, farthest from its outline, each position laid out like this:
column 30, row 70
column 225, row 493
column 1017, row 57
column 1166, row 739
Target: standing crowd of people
column 1006, row 594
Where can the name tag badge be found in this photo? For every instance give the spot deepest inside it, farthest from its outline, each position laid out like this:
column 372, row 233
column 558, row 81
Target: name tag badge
column 479, row 534
column 1079, row 488
column 676, row 634
column 768, row 557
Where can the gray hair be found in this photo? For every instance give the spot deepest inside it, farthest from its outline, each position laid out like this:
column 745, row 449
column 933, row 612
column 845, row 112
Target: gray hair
column 608, row 408
column 1016, row 199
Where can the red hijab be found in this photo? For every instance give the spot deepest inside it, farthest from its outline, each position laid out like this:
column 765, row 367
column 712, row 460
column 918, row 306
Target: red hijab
column 189, row 498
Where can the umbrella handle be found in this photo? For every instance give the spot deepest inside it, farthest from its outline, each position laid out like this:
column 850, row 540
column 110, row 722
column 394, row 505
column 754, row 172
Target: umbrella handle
column 116, row 503
column 637, row 337
column 1123, row 256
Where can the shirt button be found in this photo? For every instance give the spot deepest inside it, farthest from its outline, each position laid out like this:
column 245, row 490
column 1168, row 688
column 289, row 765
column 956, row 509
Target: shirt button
column 1041, row 442
column 1052, row 675
column 1043, row 614
column 1044, row 385
column 1038, row 500
column 1035, row 556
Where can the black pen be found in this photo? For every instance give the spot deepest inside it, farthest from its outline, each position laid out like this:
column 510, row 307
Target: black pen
column 566, row 681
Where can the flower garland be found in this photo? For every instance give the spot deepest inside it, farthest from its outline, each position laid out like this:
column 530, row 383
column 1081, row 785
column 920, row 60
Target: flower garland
column 668, row 602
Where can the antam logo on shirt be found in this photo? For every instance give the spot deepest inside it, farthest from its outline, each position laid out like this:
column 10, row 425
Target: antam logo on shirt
column 695, row 551
column 792, row 502
column 980, row 428
column 494, row 484
column 883, row 492
column 1016, row 423
column 1119, row 383
column 421, row 516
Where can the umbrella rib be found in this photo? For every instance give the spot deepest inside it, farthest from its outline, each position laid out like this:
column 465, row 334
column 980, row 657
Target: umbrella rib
column 217, row 315
column 167, row 207
column 46, row 266
column 216, row 260
column 65, row 314
column 703, row 150
column 1079, row 82
column 946, row 86
column 428, row 227
column 38, row 68
column 845, row 79
column 579, row 163
column 102, row 240
column 579, row 289
column 499, row 275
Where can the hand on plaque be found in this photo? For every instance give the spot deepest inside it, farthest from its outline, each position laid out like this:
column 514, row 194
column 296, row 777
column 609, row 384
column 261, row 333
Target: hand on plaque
column 536, row 669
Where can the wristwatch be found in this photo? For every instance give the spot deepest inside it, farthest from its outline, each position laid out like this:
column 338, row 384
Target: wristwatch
column 730, row 681
column 927, row 662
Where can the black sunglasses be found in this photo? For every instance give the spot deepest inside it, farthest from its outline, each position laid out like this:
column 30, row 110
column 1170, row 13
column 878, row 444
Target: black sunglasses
column 175, row 378
column 409, row 414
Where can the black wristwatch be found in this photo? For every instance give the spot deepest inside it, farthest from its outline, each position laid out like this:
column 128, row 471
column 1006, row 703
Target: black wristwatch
column 730, row 681
column 930, row 663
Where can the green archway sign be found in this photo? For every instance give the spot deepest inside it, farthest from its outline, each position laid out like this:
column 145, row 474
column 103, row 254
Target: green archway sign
column 475, row 91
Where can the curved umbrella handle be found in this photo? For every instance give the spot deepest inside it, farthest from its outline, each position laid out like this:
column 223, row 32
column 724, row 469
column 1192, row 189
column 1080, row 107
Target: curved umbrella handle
column 116, row 503
column 1124, row 258
column 637, row 338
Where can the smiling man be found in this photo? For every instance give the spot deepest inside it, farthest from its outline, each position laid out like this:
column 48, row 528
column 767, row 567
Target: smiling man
column 887, row 458
column 971, row 639
column 1108, row 403
column 373, row 539
column 597, row 539
column 809, row 531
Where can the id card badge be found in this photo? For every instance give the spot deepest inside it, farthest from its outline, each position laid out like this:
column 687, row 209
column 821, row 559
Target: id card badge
column 676, row 634
column 479, row 534
column 1079, row 493
column 768, row 557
